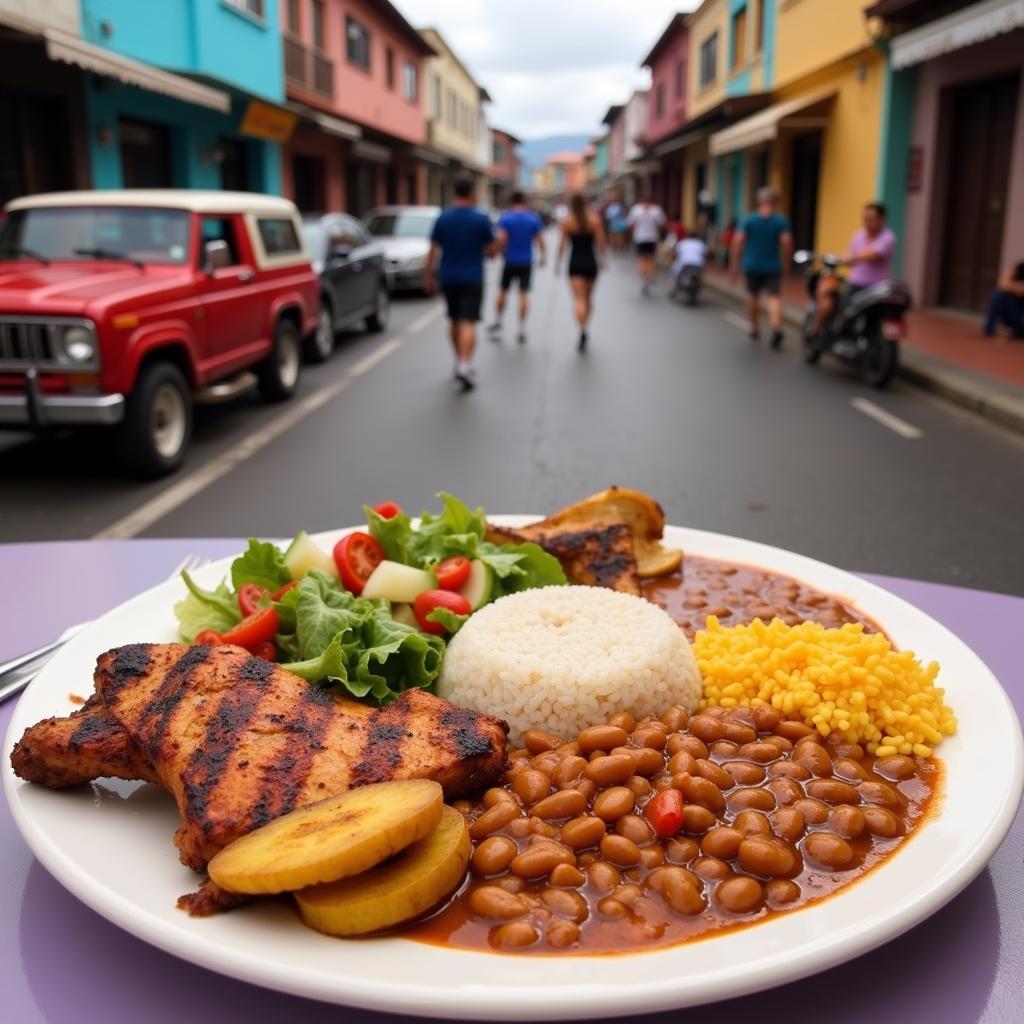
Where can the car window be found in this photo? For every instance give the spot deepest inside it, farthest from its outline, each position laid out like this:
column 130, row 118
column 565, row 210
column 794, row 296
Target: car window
column 344, row 231
column 221, row 229
column 279, row 236
column 401, row 225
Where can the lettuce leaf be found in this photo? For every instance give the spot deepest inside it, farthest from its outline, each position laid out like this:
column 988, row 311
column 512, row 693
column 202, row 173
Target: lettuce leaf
column 354, row 644
column 451, row 621
column 205, row 609
column 262, row 564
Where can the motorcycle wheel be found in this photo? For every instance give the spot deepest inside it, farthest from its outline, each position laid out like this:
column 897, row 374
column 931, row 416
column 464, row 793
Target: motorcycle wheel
column 811, row 349
column 880, row 360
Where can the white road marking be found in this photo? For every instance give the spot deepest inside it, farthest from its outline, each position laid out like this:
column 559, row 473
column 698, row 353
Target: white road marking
column 737, row 321
column 198, row 480
column 887, row 419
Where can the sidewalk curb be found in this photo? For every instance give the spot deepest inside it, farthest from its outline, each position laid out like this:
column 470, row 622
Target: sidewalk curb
column 982, row 395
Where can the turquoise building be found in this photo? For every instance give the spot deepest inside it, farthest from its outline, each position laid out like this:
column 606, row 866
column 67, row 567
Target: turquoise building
column 226, row 133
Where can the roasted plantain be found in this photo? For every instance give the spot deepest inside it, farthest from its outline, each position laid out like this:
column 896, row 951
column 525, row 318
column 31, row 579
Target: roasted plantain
column 332, row 839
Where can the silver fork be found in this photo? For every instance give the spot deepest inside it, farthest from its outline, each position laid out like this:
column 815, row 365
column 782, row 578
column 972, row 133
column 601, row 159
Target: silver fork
column 12, row 682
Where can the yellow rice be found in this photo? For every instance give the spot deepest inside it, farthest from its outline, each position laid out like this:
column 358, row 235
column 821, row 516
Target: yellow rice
column 841, row 681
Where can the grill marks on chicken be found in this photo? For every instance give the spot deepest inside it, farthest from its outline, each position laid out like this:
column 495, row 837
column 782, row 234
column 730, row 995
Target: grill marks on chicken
column 238, row 741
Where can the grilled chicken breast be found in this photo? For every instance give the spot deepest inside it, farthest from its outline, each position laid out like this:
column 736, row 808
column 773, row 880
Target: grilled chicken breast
column 238, row 741
column 594, row 554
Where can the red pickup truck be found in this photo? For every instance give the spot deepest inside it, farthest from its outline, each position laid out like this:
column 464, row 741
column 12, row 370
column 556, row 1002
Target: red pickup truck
column 121, row 308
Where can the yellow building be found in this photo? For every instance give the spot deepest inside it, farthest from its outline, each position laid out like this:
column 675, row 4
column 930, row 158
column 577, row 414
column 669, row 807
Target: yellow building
column 455, row 121
column 818, row 140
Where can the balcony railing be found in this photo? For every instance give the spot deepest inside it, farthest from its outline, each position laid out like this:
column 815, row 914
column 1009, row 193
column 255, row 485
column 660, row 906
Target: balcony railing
column 308, row 68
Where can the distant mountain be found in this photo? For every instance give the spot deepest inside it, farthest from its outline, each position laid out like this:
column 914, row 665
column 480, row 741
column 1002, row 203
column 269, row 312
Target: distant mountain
column 535, row 151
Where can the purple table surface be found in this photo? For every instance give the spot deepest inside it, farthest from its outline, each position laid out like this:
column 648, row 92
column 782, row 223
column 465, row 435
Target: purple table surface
column 60, row 962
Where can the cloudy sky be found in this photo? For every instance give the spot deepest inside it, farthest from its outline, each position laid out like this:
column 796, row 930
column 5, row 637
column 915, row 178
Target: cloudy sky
column 552, row 66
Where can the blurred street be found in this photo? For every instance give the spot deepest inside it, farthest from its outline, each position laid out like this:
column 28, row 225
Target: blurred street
column 728, row 435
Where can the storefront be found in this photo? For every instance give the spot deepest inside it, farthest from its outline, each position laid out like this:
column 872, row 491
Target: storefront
column 957, row 96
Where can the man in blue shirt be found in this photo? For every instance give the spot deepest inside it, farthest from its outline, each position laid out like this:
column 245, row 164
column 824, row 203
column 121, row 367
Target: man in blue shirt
column 518, row 228
column 463, row 237
column 765, row 243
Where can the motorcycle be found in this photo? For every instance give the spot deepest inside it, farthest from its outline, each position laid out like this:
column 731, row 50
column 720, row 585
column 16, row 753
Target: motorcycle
column 687, row 285
column 866, row 327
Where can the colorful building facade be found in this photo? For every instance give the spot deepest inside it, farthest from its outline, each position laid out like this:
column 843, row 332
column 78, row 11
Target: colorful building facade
column 223, row 133
column 951, row 159
column 354, row 72
column 505, row 166
column 667, row 112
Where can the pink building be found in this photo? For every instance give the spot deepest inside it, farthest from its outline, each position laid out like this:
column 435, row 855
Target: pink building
column 505, row 166
column 666, row 114
column 569, row 172
column 354, row 73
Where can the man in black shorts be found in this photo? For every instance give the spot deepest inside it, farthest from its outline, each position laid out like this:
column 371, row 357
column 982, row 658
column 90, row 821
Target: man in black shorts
column 463, row 237
column 518, row 229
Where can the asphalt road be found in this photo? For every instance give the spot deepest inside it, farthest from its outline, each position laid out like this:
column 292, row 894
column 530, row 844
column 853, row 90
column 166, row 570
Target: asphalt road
column 728, row 435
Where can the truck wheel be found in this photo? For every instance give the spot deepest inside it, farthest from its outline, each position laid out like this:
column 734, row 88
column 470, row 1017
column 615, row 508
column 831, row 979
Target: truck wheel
column 152, row 438
column 377, row 321
column 279, row 373
column 320, row 344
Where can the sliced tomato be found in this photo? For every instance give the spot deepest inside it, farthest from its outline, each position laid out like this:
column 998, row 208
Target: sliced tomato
column 431, row 599
column 281, row 591
column 250, row 598
column 452, row 573
column 388, row 509
column 356, row 555
column 267, row 651
column 665, row 813
column 254, row 629
column 208, row 637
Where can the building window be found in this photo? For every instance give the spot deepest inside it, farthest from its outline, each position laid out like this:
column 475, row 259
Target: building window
column 253, row 7
column 739, row 39
column 318, row 24
column 659, row 100
column 758, row 25
column 680, row 78
column 389, row 67
column 410, row 82
column 292, row 17
column 357, row 44
column 278, row 235
column 435, row 95
column 498, row 154
column 709, row 60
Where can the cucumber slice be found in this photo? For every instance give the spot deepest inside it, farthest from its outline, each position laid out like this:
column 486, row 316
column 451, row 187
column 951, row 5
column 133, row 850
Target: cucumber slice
column 303, row 554
column 403, row 613
column 477, row 590
column 398, row 582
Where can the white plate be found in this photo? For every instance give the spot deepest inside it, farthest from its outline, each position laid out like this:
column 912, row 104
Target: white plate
column 111, row 847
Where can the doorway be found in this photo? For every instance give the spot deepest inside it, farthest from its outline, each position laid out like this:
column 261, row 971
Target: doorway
column 308, row 183
column 145, row 154
column 804, row 193
column 234, row 165
column 36, row 155
column 981, row 116
column 359, row 198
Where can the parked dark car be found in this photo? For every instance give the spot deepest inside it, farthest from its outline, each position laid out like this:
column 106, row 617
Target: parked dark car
column 353, row 282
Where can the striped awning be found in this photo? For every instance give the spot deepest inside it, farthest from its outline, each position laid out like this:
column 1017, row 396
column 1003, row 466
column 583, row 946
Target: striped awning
column 970, row 25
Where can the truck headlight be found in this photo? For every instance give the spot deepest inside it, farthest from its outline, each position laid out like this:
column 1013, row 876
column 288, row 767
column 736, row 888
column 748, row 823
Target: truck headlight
column 78, row 344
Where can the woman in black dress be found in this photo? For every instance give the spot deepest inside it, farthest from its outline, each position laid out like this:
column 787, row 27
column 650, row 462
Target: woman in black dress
column 583, row 232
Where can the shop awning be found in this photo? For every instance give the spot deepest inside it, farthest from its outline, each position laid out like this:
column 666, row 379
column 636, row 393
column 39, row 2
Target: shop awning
column 326, row 122
column 72, row 50
column 765, row 126
column 963, row 28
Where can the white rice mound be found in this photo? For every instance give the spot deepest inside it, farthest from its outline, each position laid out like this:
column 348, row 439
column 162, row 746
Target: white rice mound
column 565, row 658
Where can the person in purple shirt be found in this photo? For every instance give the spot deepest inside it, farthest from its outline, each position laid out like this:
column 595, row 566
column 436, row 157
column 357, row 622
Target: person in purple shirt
column 870, row 252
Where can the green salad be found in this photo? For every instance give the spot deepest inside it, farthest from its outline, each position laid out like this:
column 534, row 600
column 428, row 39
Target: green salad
column 371, row 617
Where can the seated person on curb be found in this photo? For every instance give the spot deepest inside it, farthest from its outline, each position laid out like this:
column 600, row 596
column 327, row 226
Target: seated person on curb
column 870, row 252
column 1006, row 305
column 690, row 251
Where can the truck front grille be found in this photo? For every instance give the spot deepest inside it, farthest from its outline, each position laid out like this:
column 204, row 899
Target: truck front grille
column 30, row 341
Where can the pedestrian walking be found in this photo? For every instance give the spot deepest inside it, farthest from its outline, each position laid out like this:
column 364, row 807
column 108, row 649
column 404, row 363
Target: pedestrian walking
column 646, row 219
column 762, row 247
column 583, row 233
column 519, row 229
column 463, row 237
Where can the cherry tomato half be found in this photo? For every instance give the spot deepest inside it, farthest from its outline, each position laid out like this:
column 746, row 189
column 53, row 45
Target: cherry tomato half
column 250, row 598
column 267, row 651
column 281, row 591
column 356, row 555
column 254, row 629
column 452, row 573
column 208, row 637
column 388, row 509
column 665, row 812
column 426, row 602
